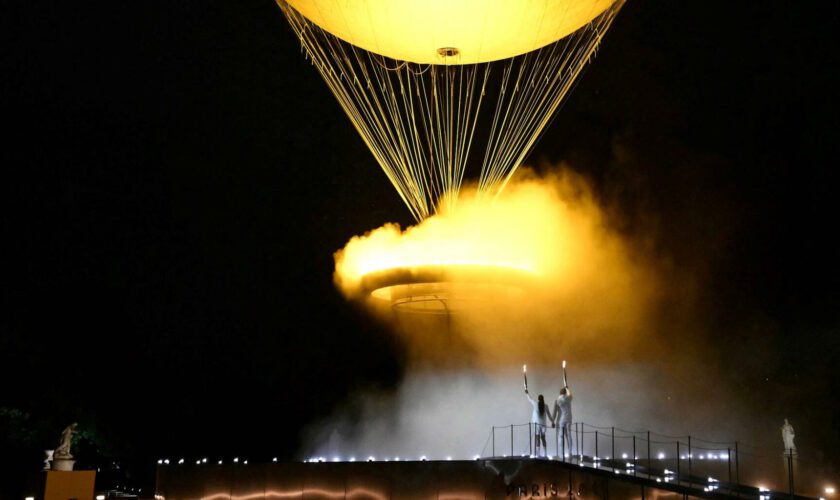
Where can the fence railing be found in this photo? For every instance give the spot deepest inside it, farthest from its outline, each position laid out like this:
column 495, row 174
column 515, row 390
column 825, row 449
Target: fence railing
column 687, row 460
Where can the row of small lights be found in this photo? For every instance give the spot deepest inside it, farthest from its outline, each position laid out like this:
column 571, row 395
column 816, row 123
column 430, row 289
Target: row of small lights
column 625, row 456
column 662, row 456
column 371, row 458
column 166, row 461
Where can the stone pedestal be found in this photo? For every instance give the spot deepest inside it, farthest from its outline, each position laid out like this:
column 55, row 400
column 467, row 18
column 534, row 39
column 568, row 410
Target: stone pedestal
column 62, row 464
column 791, row 468
column 64, row 485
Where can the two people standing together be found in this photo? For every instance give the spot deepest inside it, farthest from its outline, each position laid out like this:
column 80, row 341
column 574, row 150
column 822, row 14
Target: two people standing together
column 560, row 415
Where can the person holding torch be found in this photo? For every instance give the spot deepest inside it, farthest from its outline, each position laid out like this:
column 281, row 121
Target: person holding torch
column 539, row 417
column 563, row 413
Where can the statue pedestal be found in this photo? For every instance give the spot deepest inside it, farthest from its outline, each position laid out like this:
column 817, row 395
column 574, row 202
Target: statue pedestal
column 791, row 468
column 62, row 464
column 61, row 485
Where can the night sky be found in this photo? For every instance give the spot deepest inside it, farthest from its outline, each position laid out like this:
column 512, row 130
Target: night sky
column 176, row 178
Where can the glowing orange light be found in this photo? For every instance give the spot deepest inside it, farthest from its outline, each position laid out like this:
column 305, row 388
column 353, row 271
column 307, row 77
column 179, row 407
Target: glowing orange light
column 521, row 235
column 437, row 31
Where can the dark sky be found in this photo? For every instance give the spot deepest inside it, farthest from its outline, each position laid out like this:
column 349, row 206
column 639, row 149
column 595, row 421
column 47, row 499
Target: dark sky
column 177, row 177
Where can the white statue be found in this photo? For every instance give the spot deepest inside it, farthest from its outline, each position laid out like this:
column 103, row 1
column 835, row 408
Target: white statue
column 787, row 437
column 48, row 459
column 63, row 450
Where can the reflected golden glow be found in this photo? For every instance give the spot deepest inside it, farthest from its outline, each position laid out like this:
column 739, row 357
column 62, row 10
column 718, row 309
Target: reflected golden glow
column 255, row 495
column 353, row 492
column 460, row 495
column 450, row 31
column 350, row 493
column 323, row 493
column 363, row 492
column 366, row 493
column 282, row 494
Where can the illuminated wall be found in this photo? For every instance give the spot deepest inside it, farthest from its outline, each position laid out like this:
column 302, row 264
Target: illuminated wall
column 484, row 479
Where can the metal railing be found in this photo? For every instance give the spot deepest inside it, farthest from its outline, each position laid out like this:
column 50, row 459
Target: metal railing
column 685, row 460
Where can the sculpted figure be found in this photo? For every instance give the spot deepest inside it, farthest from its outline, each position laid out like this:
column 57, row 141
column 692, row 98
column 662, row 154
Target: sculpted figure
column 63, row 450
column 787, row 437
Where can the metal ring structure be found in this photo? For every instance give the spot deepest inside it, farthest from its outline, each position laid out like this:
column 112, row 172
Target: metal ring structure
column 445, row 288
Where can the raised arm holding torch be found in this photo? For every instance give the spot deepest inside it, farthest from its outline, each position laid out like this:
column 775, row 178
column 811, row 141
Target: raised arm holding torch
column 539, row 417
column 563, row 413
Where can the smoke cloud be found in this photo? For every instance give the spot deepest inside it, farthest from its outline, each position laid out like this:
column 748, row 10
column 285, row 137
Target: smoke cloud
column 590, row 294
column 625, row 322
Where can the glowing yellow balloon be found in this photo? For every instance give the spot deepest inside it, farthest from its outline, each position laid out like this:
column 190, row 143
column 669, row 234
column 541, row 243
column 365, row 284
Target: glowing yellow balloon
column 450, row 31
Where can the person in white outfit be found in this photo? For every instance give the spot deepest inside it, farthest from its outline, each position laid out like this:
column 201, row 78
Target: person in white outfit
column 563, row 416
column 539, row 418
